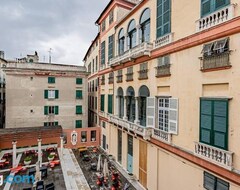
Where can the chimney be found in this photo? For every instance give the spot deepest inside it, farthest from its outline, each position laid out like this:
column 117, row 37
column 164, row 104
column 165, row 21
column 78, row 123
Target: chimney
column 2, row 54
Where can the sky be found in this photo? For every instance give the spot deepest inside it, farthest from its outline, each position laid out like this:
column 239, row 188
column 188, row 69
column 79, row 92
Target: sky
column 66, row 26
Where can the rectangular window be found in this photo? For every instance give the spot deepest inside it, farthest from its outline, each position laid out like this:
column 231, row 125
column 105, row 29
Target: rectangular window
column 214, row 183
column 48, row 110
column 78, row 94
column 78, row 80
column 103, row 124
column 51, row 80
column 102, row 102
column 104, row 142
column 110, row 47
column 111, row 17
column 162, row 61
column 95, row 102
column 78, row 109
column 96, row 63
column 103, row 53
column 110, row 103
column 93, row 136
column 103, row 25
column 78, row 124
column 47, row 124
column 51, row 94
column 214, row 122
column 163, row 17
column 168, row 115
column 210, row 6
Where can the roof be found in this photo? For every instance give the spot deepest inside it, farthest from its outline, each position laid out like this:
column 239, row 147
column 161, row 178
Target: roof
column 3, row 60
column 108, row 5
column 91, row 46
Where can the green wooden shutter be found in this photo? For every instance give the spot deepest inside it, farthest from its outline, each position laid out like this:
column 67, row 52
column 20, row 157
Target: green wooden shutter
column 78, row 80
column 110, row 46
column 56, row 111
column 205, row 121
column 45, row 124
column 163, row 17
column 102, row 102
column 221, row 3
column 220, row 124
column 206, row 7
column 78, row 109
column 56, row 123
column 79, row 94
column 45, row 110
column 46, row 94
column 51, row 80
column 110, row 102
column 103, row 53
column 56, row 94
column 78, row 124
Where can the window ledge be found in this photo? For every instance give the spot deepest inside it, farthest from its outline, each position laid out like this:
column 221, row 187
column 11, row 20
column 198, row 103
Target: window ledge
column 216, row 68
column 161, row 76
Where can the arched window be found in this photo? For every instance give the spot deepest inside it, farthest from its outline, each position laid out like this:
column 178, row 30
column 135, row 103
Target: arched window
column 132, row 34
column 120, row 102
column 145, row 26
column 130, row 104
column 121, row 39
column 143, row 94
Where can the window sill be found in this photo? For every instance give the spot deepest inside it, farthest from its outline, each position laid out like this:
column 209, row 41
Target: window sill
column 216, row 69
column 161, row 76
column 128, row 80
column 144, row 78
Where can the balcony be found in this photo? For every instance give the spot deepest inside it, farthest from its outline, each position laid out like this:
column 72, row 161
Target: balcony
column 163, row 70
column 217, row 17
column 138, row 51
column 135, row 128
column 119, row 78
column 129, row 77
column 216, row 61
column 215, row 155
column 161, row 136
column 143, row 74
column 163, row 40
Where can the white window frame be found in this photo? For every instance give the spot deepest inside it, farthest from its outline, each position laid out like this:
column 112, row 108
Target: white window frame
column 51, row 110
column 51, row 94
column 164, row 108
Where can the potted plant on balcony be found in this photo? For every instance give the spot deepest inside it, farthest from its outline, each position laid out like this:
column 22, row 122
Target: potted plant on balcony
column 93, row 139
column 27, row 160
column 50, row 157
column 83, row 138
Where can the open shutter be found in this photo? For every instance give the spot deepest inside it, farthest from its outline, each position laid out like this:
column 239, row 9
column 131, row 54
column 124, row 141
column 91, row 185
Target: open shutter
column 56, row 94
column 173, row 116
column 45, row 110
column 151, row 111
column 46, row 94
column 166, row 17
column 56, row 110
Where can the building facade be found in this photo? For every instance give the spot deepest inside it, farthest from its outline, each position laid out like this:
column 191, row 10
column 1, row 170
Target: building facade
column 169, row 101
column 42, row 94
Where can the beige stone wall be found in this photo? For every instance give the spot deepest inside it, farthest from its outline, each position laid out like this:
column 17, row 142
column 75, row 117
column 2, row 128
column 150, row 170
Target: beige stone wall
column 25, row 100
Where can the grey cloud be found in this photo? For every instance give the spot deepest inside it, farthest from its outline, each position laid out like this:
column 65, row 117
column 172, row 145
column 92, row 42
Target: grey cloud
column 66, row 26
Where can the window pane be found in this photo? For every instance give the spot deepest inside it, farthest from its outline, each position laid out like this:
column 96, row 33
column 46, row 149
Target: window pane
column 209, row 181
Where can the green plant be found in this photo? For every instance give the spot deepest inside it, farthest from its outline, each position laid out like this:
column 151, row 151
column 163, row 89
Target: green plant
column 50, row 156
column 28, row 158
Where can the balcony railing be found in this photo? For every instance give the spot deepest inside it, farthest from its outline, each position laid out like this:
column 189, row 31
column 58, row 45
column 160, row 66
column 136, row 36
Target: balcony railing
column 215, row 155
column 119, row 78
column 217, row 17
column 129, row 77
column 138, row 51
column 163, row 40
column 135, row 128
column 161, row 136
column 163, row 70
column 215, row 61
column 143, row 74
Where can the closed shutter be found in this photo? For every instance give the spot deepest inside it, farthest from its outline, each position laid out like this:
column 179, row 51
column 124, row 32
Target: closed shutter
column 102, row 102
column 221, row 3
column 45, row 124
column 46, row 94
column 56, row 111
column 110, row 102
column 110, row 47
column 220, row 124
column 56, row 94
column 56, row 123
column 206, row 7
column 78, row 124
column 78, row 80
column 205, row 121
column 79, row 94
column 173, row 116
column 163, row 17
column 51, row 80
column 45, row 110
column 103, row 53
column 151, row 111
